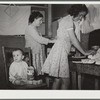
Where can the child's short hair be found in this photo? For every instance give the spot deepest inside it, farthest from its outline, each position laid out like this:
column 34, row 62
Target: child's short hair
column 18, row 49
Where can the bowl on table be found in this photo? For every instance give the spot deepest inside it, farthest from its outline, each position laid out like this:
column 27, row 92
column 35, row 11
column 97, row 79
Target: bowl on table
column 96, row 47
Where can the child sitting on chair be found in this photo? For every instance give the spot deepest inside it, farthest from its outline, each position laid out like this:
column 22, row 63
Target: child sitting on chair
column 18, row 68
column 19, row 72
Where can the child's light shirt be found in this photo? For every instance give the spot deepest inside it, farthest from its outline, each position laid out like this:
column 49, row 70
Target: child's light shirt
column 18, row 69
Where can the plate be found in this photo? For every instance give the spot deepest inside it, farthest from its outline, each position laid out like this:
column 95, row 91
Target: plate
column 77, row 58
column 97, row 62
column 77, row 62
column 80, row 57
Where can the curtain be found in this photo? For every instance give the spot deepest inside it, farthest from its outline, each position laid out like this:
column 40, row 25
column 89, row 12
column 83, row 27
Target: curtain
column 92, row 21
column 13, row 19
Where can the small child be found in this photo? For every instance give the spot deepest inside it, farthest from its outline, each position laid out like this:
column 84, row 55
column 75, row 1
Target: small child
column 18, row 68
column 19, row 73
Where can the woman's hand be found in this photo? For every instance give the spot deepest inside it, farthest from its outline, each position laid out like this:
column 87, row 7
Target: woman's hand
column 52, row 41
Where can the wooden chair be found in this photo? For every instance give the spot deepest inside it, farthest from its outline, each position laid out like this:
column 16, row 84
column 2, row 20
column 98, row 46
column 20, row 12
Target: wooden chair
column 7, row 56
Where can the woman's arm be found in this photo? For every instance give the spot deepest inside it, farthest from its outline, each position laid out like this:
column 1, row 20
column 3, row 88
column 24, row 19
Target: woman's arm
column 37, row 37
column 75, row 42
column 52, row 41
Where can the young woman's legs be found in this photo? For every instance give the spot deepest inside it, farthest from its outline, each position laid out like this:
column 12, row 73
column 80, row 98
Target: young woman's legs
column 56, row 83
column 48, row 81
column 65, row 83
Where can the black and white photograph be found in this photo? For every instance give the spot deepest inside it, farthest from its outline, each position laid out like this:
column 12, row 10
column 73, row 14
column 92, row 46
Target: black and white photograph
column 50, row 46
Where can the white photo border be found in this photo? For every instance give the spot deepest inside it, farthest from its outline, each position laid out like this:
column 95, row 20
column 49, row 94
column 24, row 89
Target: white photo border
column 50, row 94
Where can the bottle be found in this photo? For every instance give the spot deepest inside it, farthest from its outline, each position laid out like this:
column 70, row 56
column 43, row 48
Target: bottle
column 30, row 73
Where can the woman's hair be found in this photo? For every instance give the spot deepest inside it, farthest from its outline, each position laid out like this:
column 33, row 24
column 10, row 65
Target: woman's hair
column 34, row 15
column 76, row 9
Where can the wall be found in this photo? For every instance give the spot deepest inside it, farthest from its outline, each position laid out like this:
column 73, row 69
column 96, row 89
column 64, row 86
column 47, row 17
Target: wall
column 13, row 19
column 59, row 10
column 10, row 41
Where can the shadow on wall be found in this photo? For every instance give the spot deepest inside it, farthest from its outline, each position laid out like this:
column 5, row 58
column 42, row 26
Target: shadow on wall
column 94, row 38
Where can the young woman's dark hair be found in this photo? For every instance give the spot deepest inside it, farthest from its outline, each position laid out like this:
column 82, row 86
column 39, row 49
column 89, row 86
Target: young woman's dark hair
column 34, row 15
column 76, row 9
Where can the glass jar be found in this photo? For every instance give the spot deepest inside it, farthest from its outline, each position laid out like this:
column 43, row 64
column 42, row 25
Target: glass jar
column 30, row 73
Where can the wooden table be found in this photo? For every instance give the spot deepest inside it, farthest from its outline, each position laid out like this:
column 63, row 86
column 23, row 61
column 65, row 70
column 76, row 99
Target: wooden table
column 77, row 69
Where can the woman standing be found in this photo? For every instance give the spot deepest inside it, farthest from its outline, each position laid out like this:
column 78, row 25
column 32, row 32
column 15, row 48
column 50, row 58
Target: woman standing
column 35, row 41
column 56, row 64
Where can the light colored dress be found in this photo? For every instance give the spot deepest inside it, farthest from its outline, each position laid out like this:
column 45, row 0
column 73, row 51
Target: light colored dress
column 36, row 42
column 56, row 63
column 18, row 69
